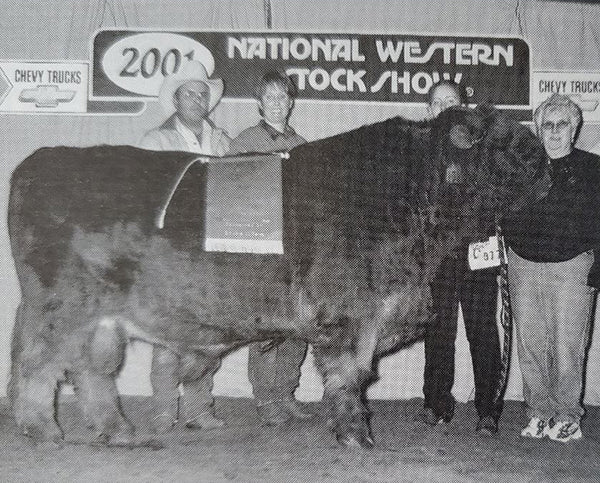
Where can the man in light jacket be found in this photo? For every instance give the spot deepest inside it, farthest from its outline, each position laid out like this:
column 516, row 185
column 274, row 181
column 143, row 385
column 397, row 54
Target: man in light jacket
column 188, row 96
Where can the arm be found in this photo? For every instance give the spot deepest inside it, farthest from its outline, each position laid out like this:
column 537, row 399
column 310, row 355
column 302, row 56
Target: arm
column 151, row 141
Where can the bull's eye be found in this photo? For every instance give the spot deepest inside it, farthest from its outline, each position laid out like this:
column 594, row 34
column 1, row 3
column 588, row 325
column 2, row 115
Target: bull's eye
column 460, row 136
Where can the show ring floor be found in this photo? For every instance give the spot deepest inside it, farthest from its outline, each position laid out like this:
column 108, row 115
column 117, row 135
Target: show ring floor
column 406, row 450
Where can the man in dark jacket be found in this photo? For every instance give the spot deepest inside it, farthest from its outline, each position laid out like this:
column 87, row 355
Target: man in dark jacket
column 476, row 290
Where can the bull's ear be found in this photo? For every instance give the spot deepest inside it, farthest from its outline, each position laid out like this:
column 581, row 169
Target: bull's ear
column 499, row 126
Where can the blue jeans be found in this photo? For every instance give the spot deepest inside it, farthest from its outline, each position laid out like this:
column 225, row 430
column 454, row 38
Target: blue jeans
column 552, row 308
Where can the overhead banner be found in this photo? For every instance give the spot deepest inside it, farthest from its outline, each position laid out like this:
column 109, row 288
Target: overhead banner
column 398, row 68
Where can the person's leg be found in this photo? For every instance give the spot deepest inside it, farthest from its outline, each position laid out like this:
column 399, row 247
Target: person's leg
column 479, row 303
column 572, row 308
column 440, row 338
column 197, row 373
column 530, row 314
column 164, row 376
column 262, row 374
column 274, row 372
column 288, row 359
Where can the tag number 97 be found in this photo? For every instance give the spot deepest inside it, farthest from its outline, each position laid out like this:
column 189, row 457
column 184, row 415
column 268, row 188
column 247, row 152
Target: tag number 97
column 148, row 64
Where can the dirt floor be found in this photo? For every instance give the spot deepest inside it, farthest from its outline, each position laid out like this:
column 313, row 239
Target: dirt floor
column 406, row 450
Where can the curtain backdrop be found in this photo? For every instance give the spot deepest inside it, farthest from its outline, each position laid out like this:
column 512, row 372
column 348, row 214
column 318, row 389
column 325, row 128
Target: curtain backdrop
column 561, row 35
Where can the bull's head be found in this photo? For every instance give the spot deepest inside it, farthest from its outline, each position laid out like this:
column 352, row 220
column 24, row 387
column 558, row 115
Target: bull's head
column 483, row 164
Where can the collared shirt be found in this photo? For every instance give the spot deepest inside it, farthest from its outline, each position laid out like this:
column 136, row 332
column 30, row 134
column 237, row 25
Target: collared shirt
column 275, row 133
column 194, row 145
column 172, row 135
column 264, row 138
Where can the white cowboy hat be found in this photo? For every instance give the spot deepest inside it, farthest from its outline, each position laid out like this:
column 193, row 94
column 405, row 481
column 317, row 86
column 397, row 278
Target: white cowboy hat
column 190, row 71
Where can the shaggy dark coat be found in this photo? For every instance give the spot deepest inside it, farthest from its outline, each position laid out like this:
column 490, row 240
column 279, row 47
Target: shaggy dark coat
column 368, row 216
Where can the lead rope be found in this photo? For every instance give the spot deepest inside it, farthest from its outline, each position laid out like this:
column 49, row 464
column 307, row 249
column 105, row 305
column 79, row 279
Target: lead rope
column 505, row 317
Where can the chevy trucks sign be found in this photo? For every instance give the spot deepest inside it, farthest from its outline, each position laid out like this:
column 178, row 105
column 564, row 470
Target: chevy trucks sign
column 131, row 64
column 582, row 87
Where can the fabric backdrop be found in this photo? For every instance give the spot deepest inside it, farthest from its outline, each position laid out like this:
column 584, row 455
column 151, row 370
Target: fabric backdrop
column 561, row 35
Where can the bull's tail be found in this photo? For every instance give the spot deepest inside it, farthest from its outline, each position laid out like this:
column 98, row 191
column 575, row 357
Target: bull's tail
column 107, row 346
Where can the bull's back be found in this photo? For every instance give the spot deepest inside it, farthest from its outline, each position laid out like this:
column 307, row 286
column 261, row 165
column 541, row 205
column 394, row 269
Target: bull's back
column 58, row 190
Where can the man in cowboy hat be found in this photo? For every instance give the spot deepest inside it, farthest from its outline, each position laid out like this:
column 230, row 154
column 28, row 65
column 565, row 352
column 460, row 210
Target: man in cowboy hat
column 188, row 96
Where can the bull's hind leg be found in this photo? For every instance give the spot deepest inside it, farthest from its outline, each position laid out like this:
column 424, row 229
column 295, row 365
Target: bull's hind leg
column 344, row 384
column 96, row 383
column 35, row 374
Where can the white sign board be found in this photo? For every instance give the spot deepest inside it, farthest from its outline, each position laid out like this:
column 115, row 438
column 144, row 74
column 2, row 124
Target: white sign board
column 582, row 87
column 43, row 87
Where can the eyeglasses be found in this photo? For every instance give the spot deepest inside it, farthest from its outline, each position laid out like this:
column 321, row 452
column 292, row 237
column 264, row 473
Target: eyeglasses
column 276, row 98
column 194, row 95
column 555, row 126
column 445, row 102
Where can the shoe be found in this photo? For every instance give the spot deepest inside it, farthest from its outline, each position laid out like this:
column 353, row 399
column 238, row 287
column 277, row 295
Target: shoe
column 564, row 431
column 273, row 413
column 296, row 409
column 428, row 416
column 163, row 423
column 535, row 429
column 206, row 420
column 487, row 425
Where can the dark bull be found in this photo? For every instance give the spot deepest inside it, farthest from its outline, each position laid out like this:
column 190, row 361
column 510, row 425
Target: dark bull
column 367, row 217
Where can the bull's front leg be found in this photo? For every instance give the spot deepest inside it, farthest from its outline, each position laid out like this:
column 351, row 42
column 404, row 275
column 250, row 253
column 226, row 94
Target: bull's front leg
column 345, row 379
column 35, row 401
column 99, row 399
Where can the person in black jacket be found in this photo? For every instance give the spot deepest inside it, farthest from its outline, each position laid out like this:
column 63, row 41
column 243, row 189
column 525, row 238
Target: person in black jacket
column 552, row 274
column 477, row 293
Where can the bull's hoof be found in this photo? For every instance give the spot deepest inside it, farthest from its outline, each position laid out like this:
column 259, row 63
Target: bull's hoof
column 152, row 443
column 45, row 437
column 125, row 437
column 355, row 441
column 49, row 444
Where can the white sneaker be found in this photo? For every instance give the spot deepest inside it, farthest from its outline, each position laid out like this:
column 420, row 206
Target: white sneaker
column 535, row 429
column 564, row 431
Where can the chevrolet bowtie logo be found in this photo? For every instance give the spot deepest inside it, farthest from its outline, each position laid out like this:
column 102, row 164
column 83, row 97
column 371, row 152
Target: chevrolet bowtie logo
column 46, row 96
column 585, row 104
